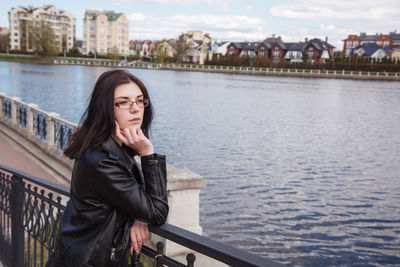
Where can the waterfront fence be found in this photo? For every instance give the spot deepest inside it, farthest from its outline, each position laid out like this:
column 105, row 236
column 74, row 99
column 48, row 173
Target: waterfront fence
column 235, row 69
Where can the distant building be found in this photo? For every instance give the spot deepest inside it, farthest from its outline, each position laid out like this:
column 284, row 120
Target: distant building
column 105, row 32
column 371, row 50
column 219, row 47
column 318, row 51
column 199, row 46
column 273, row 49
column 22, row 20
column 242, row 48
column 4, row 31
column 391, row 40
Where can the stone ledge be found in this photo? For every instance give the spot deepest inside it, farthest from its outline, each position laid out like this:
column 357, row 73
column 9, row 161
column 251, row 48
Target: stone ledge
column 183, row 179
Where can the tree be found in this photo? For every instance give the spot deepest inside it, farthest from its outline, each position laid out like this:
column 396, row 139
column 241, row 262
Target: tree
column 4, row 42
column 180, row 46
column 164, row 50
column 42, row 38
column 114, row 53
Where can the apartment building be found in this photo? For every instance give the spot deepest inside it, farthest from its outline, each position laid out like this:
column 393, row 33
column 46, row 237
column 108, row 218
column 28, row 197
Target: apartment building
column 105, row 32
column 24, row 19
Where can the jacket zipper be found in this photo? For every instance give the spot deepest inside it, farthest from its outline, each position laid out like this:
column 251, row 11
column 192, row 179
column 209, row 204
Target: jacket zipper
column 113, row 254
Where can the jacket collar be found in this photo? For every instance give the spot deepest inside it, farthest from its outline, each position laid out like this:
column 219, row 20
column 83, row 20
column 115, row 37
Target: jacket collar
column 111, row 146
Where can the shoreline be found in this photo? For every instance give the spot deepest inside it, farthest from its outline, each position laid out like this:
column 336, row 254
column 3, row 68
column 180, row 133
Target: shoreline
column 274, row 72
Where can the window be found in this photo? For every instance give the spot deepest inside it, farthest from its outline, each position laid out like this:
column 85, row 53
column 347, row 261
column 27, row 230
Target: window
column 311, row 55
column 276, row 54
column 386, row 43
column 262, row 52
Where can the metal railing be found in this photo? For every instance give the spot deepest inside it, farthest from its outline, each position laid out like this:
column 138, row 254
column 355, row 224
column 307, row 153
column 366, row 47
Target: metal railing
column 31, row 209
column 234, row 69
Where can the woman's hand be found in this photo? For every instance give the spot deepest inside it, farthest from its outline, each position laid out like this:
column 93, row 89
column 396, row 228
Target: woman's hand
column 139, row 235
column 135, row 139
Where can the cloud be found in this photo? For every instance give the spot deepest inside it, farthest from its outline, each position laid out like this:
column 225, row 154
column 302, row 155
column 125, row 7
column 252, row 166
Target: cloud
column 219, row 27
column 222, row 5
column 341, row 10
column 327, row 27
column 248, row 7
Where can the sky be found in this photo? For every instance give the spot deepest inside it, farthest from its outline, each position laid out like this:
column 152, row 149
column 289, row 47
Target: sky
column 238, row 20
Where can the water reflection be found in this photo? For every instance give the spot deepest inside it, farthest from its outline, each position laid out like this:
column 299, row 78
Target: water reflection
column 306, row 171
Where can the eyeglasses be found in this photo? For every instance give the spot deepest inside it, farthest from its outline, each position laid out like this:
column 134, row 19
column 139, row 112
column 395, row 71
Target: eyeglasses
column 127, row 103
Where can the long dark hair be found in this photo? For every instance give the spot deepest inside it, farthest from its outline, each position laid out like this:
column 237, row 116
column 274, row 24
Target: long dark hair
column 97, row 123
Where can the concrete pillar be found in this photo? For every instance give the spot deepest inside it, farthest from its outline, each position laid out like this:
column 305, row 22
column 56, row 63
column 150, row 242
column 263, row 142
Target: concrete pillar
column 184, row 208
column 51, row 123
column 29, row 118
column 14, row 101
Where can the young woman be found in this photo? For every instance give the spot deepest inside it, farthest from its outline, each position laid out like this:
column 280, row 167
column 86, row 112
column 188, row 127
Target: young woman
column 113, row 199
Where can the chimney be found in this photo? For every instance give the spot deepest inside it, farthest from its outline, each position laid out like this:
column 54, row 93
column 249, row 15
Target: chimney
column 306, row 39
column 326, row 39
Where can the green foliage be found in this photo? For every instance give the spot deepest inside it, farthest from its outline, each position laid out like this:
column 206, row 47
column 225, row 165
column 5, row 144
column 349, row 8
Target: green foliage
column 180, row 46
column 42, row 38
column 4, row 43
column 74, row 52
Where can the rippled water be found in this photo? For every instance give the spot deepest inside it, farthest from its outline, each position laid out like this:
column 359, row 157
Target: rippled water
column 303, row 171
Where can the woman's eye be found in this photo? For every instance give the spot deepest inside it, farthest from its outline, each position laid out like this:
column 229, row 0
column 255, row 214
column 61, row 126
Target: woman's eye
column 140, row 101
column 122, row 103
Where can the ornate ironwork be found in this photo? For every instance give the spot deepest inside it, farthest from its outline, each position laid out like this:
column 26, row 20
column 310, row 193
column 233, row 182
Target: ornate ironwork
column 31, row 209
column 7, row 108
column 40, row 125
column 63, row 135
column 21, row 115
column 5, row 217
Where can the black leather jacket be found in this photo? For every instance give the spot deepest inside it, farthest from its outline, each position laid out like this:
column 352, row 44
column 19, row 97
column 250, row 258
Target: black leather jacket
column 107, row 189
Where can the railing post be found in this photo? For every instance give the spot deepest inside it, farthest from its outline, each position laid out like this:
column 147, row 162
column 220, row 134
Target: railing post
column 17, row 231
column 14, row 110
column 2, row 95
column 51, row 129
column 29, row 118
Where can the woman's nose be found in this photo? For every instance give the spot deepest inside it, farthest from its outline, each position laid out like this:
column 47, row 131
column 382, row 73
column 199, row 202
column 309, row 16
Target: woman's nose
column 134, row 108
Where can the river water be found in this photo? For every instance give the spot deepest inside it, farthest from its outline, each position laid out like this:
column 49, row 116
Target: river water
column 302, row 171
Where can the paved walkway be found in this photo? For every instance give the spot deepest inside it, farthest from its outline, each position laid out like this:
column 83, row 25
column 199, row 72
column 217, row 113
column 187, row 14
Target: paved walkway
column 12, row 155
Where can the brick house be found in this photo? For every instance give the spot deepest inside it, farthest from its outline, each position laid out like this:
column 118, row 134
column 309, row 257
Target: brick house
column 318, row 51
column 242, row 48
column 371, row 50
column 391, row 40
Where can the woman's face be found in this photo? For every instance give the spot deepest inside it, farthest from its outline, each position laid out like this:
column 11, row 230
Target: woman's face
column 133, row 116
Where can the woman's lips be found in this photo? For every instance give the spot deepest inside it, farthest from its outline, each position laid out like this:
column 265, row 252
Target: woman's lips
column 135, row 121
